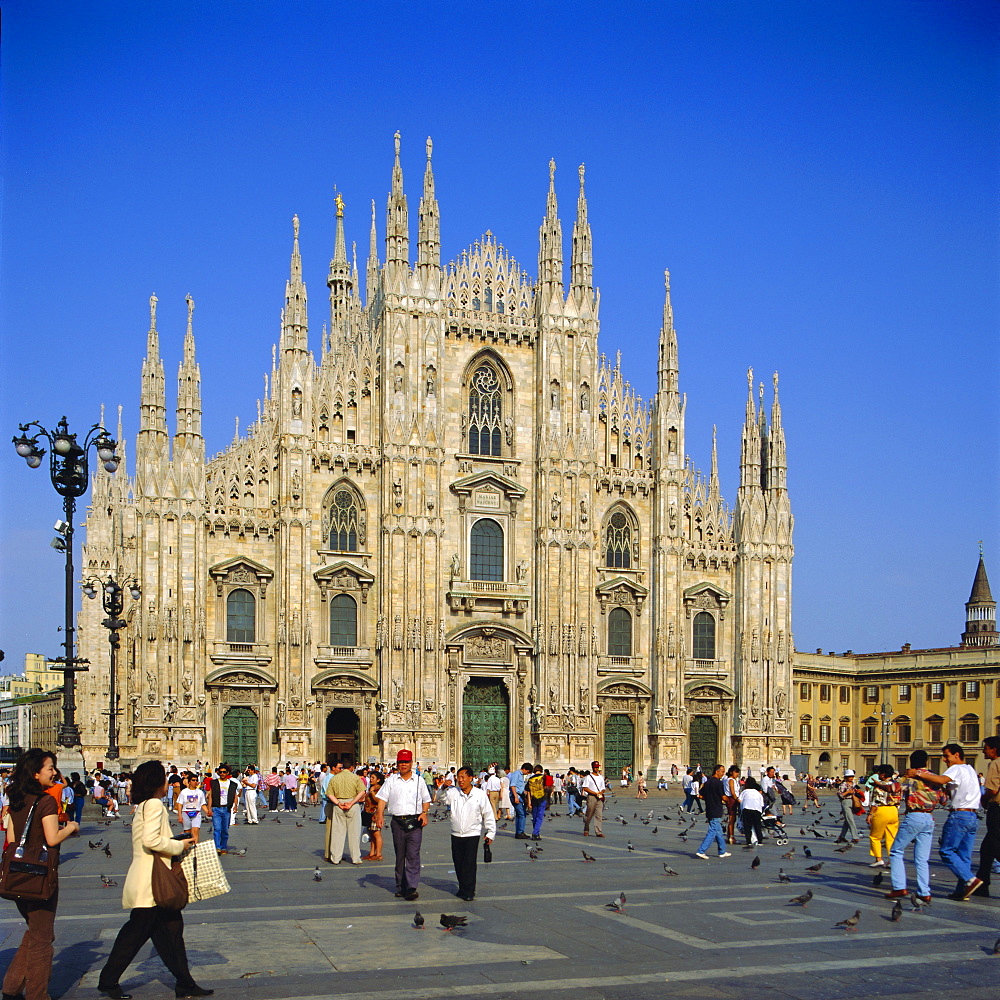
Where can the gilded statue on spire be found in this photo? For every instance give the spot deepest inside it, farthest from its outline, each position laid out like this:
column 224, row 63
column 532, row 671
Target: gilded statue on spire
column 339, row 202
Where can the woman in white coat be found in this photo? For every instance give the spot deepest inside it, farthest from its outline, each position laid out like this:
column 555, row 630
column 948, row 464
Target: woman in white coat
column 151, row 837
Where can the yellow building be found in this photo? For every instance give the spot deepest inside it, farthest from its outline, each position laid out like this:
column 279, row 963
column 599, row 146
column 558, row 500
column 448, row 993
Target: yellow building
column 39, row 676
column 855, row 710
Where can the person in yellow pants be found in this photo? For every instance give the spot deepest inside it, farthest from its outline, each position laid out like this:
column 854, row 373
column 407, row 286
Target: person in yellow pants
column 883, row 812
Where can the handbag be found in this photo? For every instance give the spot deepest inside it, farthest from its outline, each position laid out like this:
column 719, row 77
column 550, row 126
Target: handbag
column 203, row 871
column 29, row 872
column 170, row 888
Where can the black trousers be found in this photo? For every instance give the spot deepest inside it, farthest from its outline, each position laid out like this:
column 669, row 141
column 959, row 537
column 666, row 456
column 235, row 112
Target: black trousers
column 989, row 849
column 464, row 851
column 166, row 928
column 752, row 825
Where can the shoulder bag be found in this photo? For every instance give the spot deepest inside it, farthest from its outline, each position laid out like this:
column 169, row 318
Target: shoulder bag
column 29, row 871
column 170, row 887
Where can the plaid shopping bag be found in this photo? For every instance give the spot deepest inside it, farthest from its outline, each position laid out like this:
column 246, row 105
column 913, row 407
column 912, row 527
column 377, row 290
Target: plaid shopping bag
column 203, row 871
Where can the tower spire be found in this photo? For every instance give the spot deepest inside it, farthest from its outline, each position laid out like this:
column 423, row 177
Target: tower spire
column 713, row 483
column 777, row 464
column 750, row 477
column 668, row 370
column 189, row 445
column 371, row 271
column 295, row 324
column 981, row 611
column 152, row 447
column 582, row 258
column 550, row 248
column 397, row 228
column 429, row 225
column 339, row 279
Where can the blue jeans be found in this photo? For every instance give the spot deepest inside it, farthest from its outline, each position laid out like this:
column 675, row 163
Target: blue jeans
column 537, row 817
column 918, row 828
column 518, row 815
column 221, row 816
column 78, row 803
column 714, row 833
column 955, row 846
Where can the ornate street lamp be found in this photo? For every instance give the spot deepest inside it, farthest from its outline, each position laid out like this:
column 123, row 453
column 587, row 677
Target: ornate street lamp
column 69, row 471
column 886, row 714
column 113, row 599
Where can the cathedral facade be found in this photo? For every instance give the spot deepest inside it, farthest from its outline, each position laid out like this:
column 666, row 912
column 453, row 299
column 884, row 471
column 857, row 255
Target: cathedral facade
column 456, row 529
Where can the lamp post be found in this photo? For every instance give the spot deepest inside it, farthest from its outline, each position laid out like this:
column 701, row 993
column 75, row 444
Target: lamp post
column 69, row 470
column 113, row 599
column 886, row 714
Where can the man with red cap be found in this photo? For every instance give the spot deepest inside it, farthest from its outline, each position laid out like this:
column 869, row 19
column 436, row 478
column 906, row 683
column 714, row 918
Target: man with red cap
column 406, row 797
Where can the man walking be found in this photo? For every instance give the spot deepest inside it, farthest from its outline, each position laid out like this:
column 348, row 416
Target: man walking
column 593, row 789
column 959, row 831
column 712, row 792
column 344, row 792
column 916, row 826
column 989, row 849
column 518, row 780
column 224, row 797
column 322, row 783
column 250, row 782
column 472, row 814
column 492, row 786
column 847, row 792
column 405, row 796
column 537, row 800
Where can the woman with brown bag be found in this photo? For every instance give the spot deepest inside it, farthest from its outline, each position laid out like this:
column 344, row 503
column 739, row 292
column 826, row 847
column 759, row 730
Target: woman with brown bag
column 151, row 840
column 29, row 972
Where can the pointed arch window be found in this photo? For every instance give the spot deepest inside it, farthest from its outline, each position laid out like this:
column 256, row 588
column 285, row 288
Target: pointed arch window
column 486, row 550
column 619, row 633
column 485, row 412
column 343, row 621
column 241, row 616
column 344, row 520
column 704, row 636
column 618, row 547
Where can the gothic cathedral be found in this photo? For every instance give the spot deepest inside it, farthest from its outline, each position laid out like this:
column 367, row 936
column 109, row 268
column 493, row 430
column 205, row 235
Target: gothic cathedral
column 459, row 530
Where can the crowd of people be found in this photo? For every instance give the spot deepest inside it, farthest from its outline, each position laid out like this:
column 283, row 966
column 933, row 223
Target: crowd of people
column 358, row 804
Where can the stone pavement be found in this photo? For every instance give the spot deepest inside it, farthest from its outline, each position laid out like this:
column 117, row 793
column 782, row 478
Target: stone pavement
column 538, row 928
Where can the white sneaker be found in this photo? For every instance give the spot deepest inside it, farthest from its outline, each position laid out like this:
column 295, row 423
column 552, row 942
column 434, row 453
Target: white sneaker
column 698, row 854
column 728, row 854
column 877, row 864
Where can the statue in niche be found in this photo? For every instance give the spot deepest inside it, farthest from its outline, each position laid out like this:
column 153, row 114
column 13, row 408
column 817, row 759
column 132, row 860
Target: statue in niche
column 187, row 683
column 672, row 703
column 553, row 707
column 380, row 633
column 431, row 381
column 279, row 714
column 508, row 430
column 658, row 719
column 780, row 703
column 754, row 707
column 568, row 717
column 136, row 710
column 555, row 503
column 584, row 698
column 169, row 709
column 521, row 570
column 397, row 382
column 296, row 402
column 381, row 707
column 743, row 718
column 537, row 717
column 456, row 568
column 585, row 399
column 584, row 512
column 151, row 687
column 201, row 710
column 397, row 694
column 768, row 719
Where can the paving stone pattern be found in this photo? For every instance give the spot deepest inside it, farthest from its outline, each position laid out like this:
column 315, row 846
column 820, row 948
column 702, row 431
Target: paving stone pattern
column 537, row 928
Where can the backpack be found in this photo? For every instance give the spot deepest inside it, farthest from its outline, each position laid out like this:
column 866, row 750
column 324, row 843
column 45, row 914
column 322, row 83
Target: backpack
column 536, row 787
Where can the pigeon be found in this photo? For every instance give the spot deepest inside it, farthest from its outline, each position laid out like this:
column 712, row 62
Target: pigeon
column 802, row 832
column 667, row 870
column 782, row 877
column 276, row 820
column 635, row 815
column 683, row 836
column 418, row 920
column 107, row 850
column 239, row 851
column 996, row 947
column 803, row 899
column 917, row 903
column 107, row 882
column 317, row 877
column 816, row 867
column 94, row 846
column 755, row 864
column 877, row 880
column 503, row 826
column 587, row 857
column 897, row 911
column 299, row 825
column 818, row 835
column 617, row 905
column 851, row 923
column 788, row 855
column 449, row 922
column 533, row 853
column 656, row 829
column 807, row 852
column 844, row 849
column 630, row 847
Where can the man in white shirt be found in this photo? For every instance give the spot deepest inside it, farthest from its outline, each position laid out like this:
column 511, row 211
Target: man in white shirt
column 593, row 789
column 472, row 813
column 250, row 781
column 958, row 835
column 406, row 797
column 492, row 786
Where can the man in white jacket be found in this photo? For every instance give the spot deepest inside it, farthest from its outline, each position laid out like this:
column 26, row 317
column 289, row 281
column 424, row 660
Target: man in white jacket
column 471, row 816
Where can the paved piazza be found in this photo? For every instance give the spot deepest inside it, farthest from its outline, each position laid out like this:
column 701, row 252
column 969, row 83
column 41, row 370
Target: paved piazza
column 538, row 928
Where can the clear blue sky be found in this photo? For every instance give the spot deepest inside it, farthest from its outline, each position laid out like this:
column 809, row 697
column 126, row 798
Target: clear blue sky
column 820, row 178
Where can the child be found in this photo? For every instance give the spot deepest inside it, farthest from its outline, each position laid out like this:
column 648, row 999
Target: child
column 190, row 806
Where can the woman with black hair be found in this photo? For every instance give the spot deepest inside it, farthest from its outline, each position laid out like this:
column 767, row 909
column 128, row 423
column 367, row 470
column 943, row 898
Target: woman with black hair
column 29, row 971
column 151, row 839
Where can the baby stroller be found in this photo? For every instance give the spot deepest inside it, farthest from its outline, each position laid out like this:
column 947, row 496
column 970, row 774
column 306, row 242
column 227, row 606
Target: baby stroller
column 774, row 828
